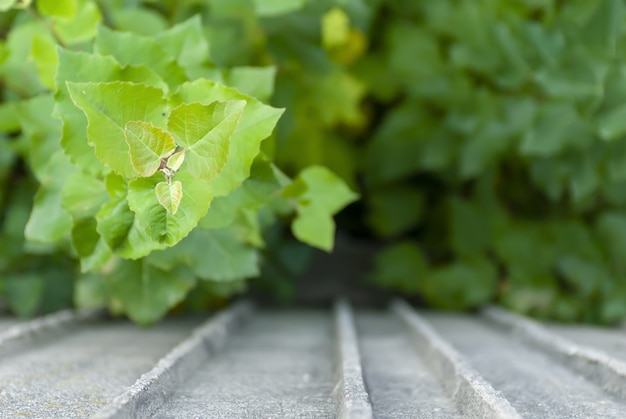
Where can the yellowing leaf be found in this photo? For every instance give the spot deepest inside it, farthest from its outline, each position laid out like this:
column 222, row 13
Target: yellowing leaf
column 176, row 160
column 169, row 195
column 147, row 145
column 335, row 28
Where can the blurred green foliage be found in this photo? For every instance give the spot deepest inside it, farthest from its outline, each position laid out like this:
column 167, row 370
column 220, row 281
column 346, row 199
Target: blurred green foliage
column 486, row 138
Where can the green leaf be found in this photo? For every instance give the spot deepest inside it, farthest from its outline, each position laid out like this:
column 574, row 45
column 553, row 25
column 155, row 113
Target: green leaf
column 132, row 49
column 145, row 292
column 264, row 182
column 256, row 124
column 90, row 291
column 471, row 232
column 83, row 195
column 257, row 82
column 216, row 255
column 145, row 22
column 83, row 26
column 314, row 227
column 9, row 120
column 401, row 265
column 205, row 132
column 319, row 194
column 461, row 285
column 553, row 130
column 187, row 45
column 335, row 28
column 109, row 107
column 161, row 225
column 169, row 195
column 19, row 73
column 147, row 145
column 48, row 222
column 115, row 220
column 83, row 67
column 611, row 125
column 24, row 293
column 84, row 236
column 97, row 260
column 46, row 59
column 7, row 4
column 277, row 7
column 65, row 9
column 395, row 209
column 604, row 28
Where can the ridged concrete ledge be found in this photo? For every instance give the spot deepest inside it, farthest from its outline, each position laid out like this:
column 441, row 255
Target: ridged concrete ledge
column 472, row 394
column 599, row 367
column 351, row 398
column 44, row 326
column 145, row 397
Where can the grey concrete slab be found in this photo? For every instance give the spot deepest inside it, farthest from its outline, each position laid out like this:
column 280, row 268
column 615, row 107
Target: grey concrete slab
column 351, row 398
column 7, row 322
column 606, row 371
column 25, row 333
column 75, row 374
column 400, row 384
column 536, row 385
column 610, row 340
column 474, row 396
column 280, row 365
column 154, row 388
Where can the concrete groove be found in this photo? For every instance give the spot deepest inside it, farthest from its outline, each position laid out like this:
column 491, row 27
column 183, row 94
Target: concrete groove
column 474, row 396
column 152, row 389
column 353, row 364
column 351, row 398
column 599, row 367
column 44, row 326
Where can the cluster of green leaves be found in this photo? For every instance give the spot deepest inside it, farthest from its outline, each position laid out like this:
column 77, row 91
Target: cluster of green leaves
column 506, row 134
column 148, row 160
column 486, row 137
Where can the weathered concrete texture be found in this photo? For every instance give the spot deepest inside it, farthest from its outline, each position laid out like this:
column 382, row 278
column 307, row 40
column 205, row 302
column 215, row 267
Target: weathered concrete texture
column 611, row 341
column 351, row 398
column 474, row 396
column 294, row 364
column 155, row 387
column 30, row 332
column 76, row 373
column 400, row 384
column 531, row 380
column 279, row 366
column 604, row 370
column 5, row 323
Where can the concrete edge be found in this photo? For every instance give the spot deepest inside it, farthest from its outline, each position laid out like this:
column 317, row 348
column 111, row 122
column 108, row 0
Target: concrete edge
column 42, row 326
column 599, row 367
column 351, row 398
column 472, row 394
column 153, row 388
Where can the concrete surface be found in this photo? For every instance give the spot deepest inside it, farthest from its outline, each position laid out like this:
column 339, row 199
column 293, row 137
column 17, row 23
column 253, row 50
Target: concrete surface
column 294, row 364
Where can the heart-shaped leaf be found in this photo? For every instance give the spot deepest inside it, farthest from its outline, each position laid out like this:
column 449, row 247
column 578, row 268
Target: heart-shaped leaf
column 147, row 145
column 169, row 195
